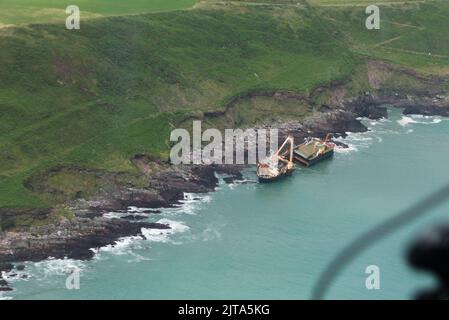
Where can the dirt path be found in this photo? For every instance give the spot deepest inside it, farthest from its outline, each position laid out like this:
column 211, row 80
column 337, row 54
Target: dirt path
column 417, row 52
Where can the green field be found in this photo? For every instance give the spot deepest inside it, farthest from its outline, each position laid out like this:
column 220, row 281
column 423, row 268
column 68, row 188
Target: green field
column 97, row 96
column 18, row 12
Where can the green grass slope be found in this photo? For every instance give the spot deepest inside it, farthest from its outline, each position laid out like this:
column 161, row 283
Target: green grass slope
column 411, row 33
column 97, row 96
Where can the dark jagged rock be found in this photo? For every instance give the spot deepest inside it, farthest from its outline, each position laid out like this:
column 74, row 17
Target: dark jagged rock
column 151, row 211
column 423, row 103
column 4, row 286
column 365, row 107
column 140, row 198
column 72, row 239
column 230, row 180
column 165, row 188
column 337, row 122
column 427, row 110
column 6, row 267
column 134, row 218
column 233, row 173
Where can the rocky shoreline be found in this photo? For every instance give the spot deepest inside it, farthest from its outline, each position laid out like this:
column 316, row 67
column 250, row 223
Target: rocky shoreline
column 75, row 237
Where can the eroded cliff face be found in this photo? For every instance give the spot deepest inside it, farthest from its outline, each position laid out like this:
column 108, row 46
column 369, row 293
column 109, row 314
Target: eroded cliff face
column 377, row 84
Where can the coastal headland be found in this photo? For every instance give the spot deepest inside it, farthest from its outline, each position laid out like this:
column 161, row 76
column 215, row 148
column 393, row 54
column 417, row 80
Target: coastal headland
column 87, row 125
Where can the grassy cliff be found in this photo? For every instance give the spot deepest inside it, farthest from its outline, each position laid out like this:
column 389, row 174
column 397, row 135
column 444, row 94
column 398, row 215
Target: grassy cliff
column 95, row 97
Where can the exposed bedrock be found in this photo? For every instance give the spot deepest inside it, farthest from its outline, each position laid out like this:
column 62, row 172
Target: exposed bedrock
column 165, row 188
column 338, row 122
column 368, row 108
column 73, row 239
column 427, row 110
column 70, row 238
column 373, row 106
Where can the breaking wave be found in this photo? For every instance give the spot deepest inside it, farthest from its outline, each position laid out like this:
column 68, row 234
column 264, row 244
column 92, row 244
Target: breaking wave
column 362, row 140
column 356, row 141
column 163, row 235
column 48, row 272
column 123, row 246
column 405, row 121
column 128, row 245
column 59, row 267
column 189, row 205
column 418, row 119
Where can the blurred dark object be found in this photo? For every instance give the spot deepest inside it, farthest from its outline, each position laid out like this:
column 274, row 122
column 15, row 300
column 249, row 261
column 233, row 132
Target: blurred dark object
column 430, row 252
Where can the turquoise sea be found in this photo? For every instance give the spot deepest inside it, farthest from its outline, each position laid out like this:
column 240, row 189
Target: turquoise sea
column 272, row 241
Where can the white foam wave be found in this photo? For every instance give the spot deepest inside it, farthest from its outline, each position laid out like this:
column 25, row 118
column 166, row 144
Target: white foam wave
column 59, row 266
column 119, row 215
column 349, row 149
column 41, row 271
column 15, row 275
column 163, row 235
column 122, row 246
column 377, row 122
column 44, row 271
column 114, row 215
column 377, row 129
column 405, row 121
column 51, row 267
column 355, row 142
column 419, row 119
column 189, row 205
column 128, row 245
column 134, row 211
column 192, row 197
